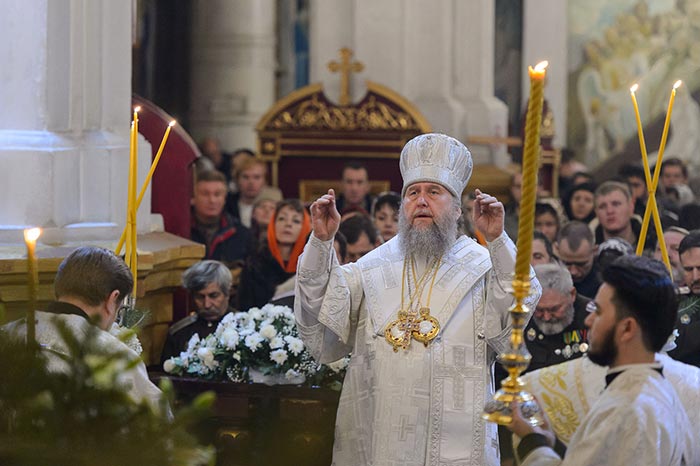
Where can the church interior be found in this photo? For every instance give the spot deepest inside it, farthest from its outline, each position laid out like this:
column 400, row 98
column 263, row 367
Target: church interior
column 117, row 112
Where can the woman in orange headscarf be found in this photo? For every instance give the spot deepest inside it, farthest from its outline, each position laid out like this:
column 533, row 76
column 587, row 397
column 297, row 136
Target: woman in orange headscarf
column 276, row 261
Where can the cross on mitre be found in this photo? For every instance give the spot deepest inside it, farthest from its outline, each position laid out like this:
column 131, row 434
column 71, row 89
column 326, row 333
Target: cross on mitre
column 345, row 67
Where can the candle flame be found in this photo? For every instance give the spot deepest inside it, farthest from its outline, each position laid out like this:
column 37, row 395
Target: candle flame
column 32, row 234
column 137, row 108
column 634, row 88
column 172, row 123
column 541, row 65
column 677, row 84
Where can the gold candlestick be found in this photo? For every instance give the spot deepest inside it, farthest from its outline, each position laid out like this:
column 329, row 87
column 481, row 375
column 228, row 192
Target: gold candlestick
column 516, row 360
column 30, row 237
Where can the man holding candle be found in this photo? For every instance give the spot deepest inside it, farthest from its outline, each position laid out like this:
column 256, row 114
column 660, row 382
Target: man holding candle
column 90, row 285
column 639, row 418
column 424, row 316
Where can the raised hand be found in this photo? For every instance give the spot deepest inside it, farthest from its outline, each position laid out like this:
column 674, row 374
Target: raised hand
column 325, row 218
column 488, row 215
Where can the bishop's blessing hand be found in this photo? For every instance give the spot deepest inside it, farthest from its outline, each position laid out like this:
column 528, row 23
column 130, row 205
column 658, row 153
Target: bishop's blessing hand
column 325, row 218
column 488, row 215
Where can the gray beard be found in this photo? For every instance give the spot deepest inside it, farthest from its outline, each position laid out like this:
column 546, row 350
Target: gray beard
column 554, row 327
column 433, row 241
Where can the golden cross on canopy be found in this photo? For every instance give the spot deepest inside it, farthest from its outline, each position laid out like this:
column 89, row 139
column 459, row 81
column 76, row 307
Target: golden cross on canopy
column 345, row 67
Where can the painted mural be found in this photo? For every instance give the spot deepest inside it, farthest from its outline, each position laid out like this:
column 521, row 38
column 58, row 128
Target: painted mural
column 613, row 45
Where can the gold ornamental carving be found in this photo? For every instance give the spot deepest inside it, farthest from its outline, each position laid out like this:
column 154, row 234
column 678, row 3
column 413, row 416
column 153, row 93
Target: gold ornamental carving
column 318, row 115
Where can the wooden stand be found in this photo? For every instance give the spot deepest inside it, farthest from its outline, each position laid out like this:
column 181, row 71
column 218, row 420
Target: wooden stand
column 256, row 424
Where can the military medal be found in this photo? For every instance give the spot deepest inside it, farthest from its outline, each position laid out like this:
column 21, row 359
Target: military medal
column 531, row 334
column 420, row 325
column 567, row 352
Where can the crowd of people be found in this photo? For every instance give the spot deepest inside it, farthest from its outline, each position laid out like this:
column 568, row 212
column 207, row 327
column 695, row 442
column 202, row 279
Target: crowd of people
column 414, row 286
column 577, row 239
column 250, row 229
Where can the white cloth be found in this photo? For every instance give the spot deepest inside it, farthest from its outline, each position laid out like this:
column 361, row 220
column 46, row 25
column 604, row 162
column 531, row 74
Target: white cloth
column 421, row 406
column 639, row 419
column 568, row 390
column 135, row 380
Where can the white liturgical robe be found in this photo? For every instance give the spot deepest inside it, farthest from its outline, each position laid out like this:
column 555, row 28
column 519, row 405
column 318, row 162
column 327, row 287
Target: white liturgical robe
column 423, row 405
column 638, row 419
column 133, row 380
column 567, row 391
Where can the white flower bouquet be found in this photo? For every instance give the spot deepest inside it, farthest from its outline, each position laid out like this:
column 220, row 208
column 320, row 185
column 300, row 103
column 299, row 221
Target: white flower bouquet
column 261, row 341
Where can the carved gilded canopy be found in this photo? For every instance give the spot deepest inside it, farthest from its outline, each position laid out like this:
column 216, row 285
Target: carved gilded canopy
column 307, row 126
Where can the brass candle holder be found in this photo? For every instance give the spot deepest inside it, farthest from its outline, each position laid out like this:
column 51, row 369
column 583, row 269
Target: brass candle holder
column 515, row 361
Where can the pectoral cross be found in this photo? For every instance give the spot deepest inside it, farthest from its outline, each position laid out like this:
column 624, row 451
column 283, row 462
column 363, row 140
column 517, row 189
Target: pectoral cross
column 398, row 333
column 345, row 67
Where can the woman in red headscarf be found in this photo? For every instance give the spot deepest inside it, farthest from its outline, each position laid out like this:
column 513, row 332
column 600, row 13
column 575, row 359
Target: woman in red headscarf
column 276, row 261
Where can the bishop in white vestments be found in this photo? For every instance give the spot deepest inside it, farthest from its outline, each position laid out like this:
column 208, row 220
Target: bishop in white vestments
column 423, row 315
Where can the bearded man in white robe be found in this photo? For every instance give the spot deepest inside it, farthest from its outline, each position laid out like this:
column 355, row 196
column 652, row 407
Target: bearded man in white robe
column 639, row 418
column 423, row 315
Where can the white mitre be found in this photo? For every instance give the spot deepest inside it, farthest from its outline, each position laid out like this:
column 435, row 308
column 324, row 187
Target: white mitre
column 436, row 158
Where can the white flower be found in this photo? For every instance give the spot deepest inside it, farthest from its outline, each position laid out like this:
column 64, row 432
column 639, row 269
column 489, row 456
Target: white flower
column 193, row 342
column 229, row 338
column 296, row 346
column 268, row 332
column 210, row 341
column 237, row 356
column 207, row 357
column 276, row 342
column 279, row 356
column 243, row 319
column 255, row 313
column 253, row 341
column 228, row 318
column 185, row 359
column 291, row 374
column 169, row 365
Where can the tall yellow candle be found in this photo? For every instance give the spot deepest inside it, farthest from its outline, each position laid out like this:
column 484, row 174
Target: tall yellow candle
column 526, row 222
column 640, row 133
column 645, row 162
column 127, row 257
column 652, row 184
column 134, row 180
column 664, row 135
column 147, row 181
column 30, row 237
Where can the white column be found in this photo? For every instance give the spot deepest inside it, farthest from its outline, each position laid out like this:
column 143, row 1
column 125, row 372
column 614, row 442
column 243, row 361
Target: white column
column 65, row 91
column 545, row 38
column 438, row 54
column 233, row 68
